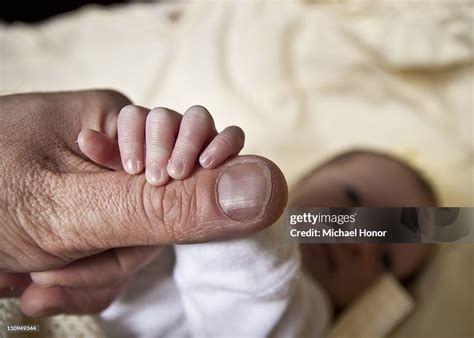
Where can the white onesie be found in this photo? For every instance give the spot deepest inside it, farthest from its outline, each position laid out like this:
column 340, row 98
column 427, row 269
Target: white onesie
column 249, row 287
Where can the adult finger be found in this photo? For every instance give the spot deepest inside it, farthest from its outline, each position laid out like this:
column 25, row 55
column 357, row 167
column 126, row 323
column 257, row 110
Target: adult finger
column 94, row 212
column 98, row 271
column 37, row 301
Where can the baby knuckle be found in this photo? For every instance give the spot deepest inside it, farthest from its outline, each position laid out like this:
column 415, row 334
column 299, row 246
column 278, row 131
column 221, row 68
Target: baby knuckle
column 187, row 146
column 225, row 141
column 238, row 133
column 130, row 146
column 200, row 112
column 129, row 111
column 162, row 115
column 231, row 138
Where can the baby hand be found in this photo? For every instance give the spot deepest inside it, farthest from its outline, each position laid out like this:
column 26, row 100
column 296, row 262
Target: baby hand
column 163, row 142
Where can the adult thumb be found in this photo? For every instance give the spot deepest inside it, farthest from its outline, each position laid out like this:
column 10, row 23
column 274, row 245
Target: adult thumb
column 112, row 209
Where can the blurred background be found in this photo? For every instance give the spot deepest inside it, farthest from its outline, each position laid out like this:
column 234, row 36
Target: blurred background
column 307, row 80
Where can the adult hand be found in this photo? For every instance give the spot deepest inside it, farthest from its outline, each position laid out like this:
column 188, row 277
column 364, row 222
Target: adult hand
column 61, row 213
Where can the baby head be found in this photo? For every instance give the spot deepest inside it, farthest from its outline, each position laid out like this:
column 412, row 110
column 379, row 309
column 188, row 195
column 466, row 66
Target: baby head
column 369, row 179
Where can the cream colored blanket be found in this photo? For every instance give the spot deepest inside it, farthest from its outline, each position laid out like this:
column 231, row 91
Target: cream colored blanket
column 306, row 80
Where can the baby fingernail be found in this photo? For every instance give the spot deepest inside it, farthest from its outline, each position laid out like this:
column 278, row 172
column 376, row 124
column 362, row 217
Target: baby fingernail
column 175, row 168
column 244, row 191
column 133, row 166
column 155, row 175
column 206, row 160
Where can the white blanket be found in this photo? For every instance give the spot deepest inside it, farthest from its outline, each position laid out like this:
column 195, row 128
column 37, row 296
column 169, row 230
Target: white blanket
column 305, row 80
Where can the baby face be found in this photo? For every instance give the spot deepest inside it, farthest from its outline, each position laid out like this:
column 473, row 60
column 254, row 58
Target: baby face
column 162, row 142
column 346, row 270
column 364, row 179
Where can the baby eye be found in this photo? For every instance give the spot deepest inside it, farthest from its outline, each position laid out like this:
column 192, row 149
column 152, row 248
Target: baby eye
column 385, row 259
column 353, row 196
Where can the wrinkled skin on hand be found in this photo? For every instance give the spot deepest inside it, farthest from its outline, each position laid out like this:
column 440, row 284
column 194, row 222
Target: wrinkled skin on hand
column 40, row 167
column 72, row 232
